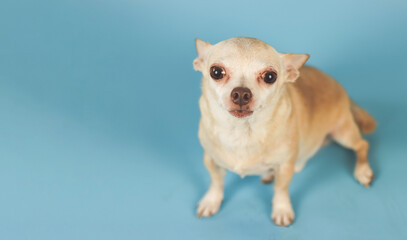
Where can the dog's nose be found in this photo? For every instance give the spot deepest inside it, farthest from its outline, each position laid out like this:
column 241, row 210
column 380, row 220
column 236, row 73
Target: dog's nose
column 241, row 96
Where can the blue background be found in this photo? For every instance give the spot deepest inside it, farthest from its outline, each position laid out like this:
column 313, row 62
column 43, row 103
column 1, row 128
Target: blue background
column 99, row 119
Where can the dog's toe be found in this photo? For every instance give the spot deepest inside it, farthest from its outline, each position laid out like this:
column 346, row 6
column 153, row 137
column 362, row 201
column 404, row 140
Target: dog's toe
column 208, row 206
column 364, row 174
column 283, row 216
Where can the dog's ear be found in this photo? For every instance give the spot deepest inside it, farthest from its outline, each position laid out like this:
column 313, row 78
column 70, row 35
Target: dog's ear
column 202, row 49
column 292, row 63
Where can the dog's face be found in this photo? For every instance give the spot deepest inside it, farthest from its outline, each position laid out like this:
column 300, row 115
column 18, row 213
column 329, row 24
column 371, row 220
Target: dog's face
column 242, row 75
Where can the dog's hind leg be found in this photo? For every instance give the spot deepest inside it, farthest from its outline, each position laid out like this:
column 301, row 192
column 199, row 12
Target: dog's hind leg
column 347, row 134
column 268, row 178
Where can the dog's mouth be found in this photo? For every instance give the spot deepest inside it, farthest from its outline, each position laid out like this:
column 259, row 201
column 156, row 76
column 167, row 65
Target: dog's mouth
column 240, row 113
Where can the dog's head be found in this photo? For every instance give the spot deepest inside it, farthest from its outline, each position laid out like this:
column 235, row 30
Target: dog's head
column 241, row 75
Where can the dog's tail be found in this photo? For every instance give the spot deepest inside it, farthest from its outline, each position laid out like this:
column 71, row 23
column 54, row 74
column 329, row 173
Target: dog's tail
column 366, row 123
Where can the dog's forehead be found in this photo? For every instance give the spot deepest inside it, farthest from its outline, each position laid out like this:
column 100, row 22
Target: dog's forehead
column 244, row 52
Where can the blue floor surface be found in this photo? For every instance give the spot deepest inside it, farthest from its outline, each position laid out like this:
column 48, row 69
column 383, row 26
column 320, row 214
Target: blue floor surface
column 99, row 119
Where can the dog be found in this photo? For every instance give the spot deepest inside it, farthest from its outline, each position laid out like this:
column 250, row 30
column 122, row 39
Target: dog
column 265, row 113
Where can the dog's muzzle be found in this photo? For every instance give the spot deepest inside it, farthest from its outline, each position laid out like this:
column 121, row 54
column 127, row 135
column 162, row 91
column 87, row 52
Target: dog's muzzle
column 241, row 96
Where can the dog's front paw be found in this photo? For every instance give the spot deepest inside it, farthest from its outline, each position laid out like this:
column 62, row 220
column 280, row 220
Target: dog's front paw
column 283, row 216
column 364, row 174
column 209, row 204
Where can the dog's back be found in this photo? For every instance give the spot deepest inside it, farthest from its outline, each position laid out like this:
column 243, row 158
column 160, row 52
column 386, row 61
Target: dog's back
column 321, row 104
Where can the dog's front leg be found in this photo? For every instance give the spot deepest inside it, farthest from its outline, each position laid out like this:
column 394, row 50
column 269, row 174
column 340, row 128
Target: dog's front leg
column 210, row 203
column 282, row 212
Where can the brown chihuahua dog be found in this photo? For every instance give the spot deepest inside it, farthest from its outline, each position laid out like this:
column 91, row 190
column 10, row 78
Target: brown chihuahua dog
column 264, row 113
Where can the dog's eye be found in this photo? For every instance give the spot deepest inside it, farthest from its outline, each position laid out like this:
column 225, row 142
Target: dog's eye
column 217, row 72
column 270, row 77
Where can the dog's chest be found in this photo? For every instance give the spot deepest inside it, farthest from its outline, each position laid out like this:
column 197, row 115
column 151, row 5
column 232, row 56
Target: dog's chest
column 241, row 149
